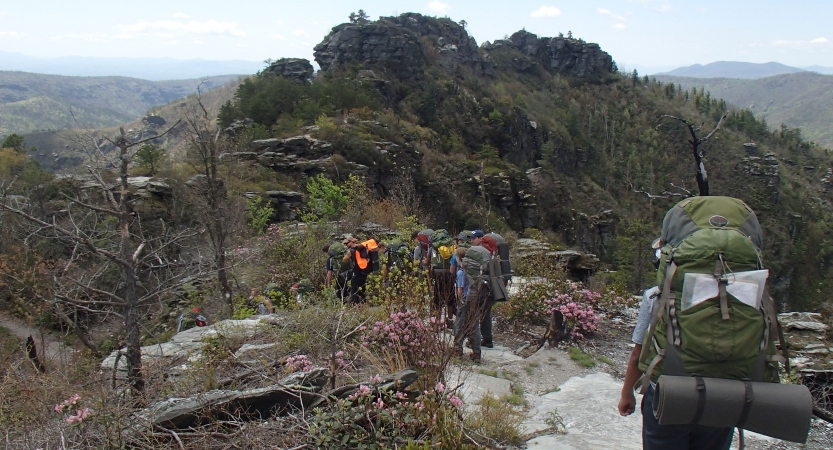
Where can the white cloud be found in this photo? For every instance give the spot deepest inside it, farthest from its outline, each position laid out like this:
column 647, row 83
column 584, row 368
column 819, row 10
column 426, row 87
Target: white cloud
column 11, row 34
column 278, row 37
column 610, row 13
column 439, row 6
column 299, row 33
column 619, row 26
column 821, row 40
column 170, row 27
column 546, row 11
column 88, row 37
column 180, row 15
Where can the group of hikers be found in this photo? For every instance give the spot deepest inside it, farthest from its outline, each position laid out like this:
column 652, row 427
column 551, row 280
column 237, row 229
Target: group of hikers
column 464, row 282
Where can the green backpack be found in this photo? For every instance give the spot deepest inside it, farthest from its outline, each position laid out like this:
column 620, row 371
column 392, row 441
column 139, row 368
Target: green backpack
column 337, row 251
column 441, row 249
column 397, row 253
column 710, row 252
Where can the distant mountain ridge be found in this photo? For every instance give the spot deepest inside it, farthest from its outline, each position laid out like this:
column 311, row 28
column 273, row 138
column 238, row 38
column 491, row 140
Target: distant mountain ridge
column 803, row 100
column 30, row 101
column 156, row 69
column 733, row 69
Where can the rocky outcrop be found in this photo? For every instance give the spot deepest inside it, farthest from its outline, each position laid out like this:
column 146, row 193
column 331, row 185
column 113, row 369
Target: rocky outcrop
column 560, row 55
column 296, row 154
column 378, row 44
column 766, row 169
column 595, row 233
column 285, row 204
column 402, row 46
column 509, row 192
column 296, row 69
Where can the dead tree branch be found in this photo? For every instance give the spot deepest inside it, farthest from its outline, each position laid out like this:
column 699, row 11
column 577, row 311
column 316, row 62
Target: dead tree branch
column 702, row 177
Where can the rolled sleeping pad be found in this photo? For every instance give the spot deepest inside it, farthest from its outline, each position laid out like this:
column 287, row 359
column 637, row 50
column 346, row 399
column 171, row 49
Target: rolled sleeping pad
column 782, row 411
column 505, row 265
column 499, row 293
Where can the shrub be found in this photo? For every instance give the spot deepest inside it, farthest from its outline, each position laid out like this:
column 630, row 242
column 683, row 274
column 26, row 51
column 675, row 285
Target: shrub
column 497, row 419
column 371, row 418
column 259, row 214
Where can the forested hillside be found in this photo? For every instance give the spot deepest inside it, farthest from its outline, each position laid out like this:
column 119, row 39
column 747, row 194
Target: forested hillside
column 527, row 134
column 799, row 100
column 32, row 101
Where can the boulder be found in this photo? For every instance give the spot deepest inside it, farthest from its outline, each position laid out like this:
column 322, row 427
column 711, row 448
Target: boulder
column 296, row 69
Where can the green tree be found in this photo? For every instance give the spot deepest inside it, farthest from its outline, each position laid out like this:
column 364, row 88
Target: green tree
column 327, row 201
column 148, row 158
column 16, row 142
column 260, row 212
column 359, row 17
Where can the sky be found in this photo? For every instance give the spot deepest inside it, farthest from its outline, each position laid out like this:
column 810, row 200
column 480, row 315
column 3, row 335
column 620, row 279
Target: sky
column 637, row 33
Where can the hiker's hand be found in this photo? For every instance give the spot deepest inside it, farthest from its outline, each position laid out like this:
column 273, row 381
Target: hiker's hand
column 627, row 404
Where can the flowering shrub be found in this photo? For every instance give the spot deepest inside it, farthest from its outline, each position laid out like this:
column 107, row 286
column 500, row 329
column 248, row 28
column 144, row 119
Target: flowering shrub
column 404, row 336
column 299, row 363
column 537, row 301
column 71, row 405
column 370, row 418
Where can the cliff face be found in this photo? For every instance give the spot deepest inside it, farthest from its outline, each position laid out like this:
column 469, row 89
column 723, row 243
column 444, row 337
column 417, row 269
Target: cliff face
column 405, row 45
column 563, row 55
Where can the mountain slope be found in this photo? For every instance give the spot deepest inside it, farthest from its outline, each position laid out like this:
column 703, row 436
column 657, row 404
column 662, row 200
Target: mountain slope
column 733, row 69
column 803, row 100
column 157, row 69
column 30, row 102
column 532, row 135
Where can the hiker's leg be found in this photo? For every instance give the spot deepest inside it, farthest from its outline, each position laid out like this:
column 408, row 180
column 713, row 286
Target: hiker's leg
column 460, row 325
column 662, row 437
column 486, row 323
column 475, row 311
column 711, row 438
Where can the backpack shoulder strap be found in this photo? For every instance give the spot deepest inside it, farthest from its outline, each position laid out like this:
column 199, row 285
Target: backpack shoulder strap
column 660, row 307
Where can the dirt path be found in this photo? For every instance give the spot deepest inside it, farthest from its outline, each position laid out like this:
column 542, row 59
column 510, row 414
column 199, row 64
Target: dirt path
column 51, row 347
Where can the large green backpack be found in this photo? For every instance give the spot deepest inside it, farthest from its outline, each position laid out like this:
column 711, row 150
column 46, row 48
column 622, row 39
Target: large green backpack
column 698, row 326
column 396, row 253
column 337, row 251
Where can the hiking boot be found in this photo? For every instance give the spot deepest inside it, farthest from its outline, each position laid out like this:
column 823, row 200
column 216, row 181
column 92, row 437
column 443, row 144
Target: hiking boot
column 476, row 357
column 449, row 323
column 487, row 344
column 469, row 344
column 456, row 352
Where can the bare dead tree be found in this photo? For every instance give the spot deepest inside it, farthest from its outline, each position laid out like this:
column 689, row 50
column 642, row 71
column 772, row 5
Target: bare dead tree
column 685, row 193
column 206, row 145
column 141, row 258
column 702, row 177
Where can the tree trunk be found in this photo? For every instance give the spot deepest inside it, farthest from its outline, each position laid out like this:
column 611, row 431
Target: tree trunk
column 131, row 310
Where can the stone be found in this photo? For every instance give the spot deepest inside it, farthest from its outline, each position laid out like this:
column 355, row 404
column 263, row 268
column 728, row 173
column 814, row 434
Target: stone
column 561, row 55
column 587, row 406
column 296, row 69
column 806, row 321
column 186, row 344
column 259, row 403
column 475, row 384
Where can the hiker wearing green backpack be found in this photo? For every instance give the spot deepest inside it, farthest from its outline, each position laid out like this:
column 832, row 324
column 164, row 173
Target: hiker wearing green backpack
column 704, row 354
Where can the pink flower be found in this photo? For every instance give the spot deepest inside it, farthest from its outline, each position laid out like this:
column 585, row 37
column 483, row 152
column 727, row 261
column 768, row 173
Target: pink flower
column 376, row 378
column 439, row 388
column 454, row 400
column 379, row 403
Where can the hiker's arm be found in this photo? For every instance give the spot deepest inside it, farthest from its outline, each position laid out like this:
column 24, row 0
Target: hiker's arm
column 347, row 256
column 328, row 278
column 627, row 401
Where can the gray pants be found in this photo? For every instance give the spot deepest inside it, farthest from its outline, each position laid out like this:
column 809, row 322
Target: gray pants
column 467, row 324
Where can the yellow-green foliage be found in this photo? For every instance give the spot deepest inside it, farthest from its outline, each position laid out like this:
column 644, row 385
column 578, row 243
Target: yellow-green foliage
column 497, row 419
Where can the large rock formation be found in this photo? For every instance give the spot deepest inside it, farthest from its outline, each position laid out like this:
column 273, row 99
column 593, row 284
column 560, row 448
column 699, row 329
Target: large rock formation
column 295, row 69
column 561, row 55
column 402, row 46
